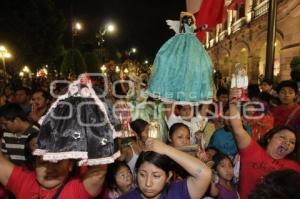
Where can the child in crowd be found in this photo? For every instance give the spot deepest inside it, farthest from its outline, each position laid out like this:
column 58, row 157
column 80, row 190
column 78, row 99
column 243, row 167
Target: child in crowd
column 119, row 180
column 179, row 135
column 222, row 186
column 131, row 152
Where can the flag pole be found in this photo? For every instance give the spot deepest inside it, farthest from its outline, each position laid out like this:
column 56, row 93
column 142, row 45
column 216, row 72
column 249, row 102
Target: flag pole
column 271, row 38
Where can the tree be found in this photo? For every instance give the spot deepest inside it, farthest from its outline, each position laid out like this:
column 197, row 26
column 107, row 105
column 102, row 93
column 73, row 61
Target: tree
column 92, row 62
column 73, row 62
column 33, row 29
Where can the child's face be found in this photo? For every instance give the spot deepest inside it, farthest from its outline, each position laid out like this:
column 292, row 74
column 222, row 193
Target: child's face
column 185, row 112
column 287, row 95
column 225, row 170
column 144, row 134
column 210, row 153
column 265, row 87
column 180, row 137
column 124, row 180
column 224, row 98
column 250, row 110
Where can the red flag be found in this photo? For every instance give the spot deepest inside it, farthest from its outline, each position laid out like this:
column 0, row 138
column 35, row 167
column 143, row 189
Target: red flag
column 234, row 5
column 212, row 12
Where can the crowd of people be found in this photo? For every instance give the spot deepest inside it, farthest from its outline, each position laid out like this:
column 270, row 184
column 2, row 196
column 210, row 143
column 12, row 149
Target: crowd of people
column 226, row 149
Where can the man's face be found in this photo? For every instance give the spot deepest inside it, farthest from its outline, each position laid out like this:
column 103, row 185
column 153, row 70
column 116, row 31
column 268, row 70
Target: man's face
column 21, row 97
column 39, row 101
column 9, row 125
column 51, row 175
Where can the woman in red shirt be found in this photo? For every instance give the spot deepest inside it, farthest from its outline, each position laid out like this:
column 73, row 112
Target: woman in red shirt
column 259, row 160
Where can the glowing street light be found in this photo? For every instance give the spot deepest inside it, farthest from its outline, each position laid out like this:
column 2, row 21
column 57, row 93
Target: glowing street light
column 133, row 50
column 103, row 68
column 126, row 70
column 4, row 54
column 26, row 69
column 146, row 62
column 78, row 26
column 117, row 69
column 111, row 27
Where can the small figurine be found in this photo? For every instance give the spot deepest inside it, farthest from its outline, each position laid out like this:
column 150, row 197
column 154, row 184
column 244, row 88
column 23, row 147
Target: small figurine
column 240, row 80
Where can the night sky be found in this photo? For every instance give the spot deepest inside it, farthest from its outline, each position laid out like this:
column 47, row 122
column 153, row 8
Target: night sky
column 141, row 23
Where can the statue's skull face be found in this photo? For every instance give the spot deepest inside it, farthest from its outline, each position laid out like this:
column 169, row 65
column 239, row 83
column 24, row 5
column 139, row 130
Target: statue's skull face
column 187, row 20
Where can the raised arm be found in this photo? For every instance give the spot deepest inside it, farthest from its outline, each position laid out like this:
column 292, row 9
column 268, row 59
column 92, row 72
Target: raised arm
column 200, row 177
column 242, row 137
column 94, row 178
column 6, row 168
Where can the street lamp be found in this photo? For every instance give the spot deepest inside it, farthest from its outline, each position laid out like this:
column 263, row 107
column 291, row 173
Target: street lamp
column 132, row 50
column 4, row 54
column 76, row 27
column 110, row 27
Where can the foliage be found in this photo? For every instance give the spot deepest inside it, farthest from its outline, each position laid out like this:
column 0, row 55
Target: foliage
column 73, row 62
column 32, row 30
column 92, row 62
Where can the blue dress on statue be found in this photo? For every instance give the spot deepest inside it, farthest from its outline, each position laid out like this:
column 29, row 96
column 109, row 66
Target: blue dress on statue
column 182, row 70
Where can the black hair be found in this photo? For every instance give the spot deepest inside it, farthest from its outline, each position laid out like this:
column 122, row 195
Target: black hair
column 212, row 148
column 267, row 81
column 161, row 161
column 112, row 170
column 218, row 158
column 283, row 184
column 253, row 91
column 264, row 140
column 30, row 159
column 138, row 126
column 186, row 19
column 45, row 94
column 287, row 83
column 176, row 126
column 222, row 91
column 12, row 111
column 23, row 88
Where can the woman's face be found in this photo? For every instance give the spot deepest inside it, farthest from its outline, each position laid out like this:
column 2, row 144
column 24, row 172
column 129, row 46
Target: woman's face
column 225, row 169
column 151, row 180
column 180, row 137
column 124, row 180
column 287, row 95
column 281, row 144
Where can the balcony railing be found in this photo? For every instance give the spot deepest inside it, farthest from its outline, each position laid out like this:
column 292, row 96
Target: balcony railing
column 238, row 24
column 222, row 35
column 261, row 9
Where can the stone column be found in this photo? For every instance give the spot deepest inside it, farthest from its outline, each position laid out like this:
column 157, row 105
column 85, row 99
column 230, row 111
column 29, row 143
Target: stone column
column 286, row 56
column 253, row 71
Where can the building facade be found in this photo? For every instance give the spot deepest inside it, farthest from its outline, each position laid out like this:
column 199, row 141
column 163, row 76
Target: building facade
column 243, row 37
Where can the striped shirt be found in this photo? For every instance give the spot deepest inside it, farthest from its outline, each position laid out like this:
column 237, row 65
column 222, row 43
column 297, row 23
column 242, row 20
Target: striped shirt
column 14, row 146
